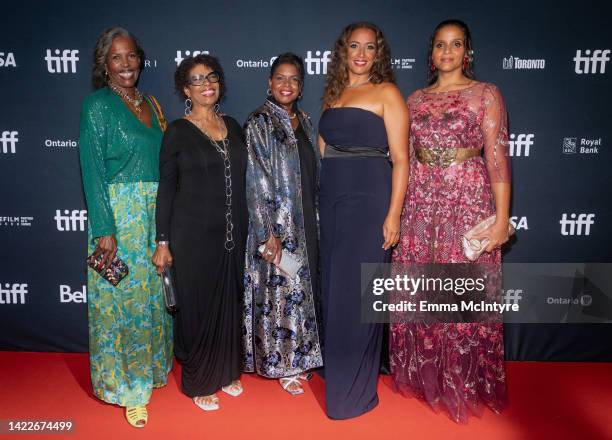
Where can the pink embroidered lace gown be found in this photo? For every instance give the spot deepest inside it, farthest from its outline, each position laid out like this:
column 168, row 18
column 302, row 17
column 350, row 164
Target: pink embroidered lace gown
column 454, row 367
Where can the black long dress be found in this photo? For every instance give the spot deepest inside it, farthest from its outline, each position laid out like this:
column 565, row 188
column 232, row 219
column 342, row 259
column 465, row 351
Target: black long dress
column 355, row 190
column 191, row 208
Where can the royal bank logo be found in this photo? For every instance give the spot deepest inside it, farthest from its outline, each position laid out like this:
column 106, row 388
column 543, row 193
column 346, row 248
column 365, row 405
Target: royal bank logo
column 8, row 142
column 13, row 293
column 402, row 63
column 70, row 221
column 569, row 146
column 572, row 145
column 57, row 143
column 7, row 59
column 576, row 224
column 516, row 63
column 16, row 221
column 62, row 61
column 67, row 295
column 592, row 62
column 520, row 144
column 519, row 223
column 181, row 55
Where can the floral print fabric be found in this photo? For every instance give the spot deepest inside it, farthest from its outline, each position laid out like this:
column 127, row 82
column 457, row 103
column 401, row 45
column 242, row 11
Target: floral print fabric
column 130, row 332
column 454, row 367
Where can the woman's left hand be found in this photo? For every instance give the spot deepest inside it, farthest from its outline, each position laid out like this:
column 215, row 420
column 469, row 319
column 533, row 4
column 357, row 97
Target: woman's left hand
column 391, row 231
column 496, row 234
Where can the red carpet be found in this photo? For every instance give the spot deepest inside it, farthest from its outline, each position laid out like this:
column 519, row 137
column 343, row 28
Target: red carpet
column 547, row 401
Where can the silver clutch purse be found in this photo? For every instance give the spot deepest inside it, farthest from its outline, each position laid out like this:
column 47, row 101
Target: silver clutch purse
column 472, row 248
column 169, row 289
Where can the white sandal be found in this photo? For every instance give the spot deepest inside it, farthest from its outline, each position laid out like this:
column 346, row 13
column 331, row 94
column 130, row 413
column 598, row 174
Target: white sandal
column 234, row 389
column 208, row 403
column 287, row 381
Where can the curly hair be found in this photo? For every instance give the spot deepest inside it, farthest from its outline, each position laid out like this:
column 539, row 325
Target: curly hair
column 103, row 45
column 337, row 72
column 468, row 71
column 181, row 75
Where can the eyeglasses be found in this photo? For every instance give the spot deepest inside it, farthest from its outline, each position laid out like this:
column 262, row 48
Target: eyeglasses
column 198, row 80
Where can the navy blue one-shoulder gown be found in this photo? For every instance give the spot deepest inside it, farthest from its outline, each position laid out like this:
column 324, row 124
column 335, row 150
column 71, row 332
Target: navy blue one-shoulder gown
column 355, row 188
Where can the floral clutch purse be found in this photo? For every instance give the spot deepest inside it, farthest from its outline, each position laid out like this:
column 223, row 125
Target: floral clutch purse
column 114, row 273
column 472, row 248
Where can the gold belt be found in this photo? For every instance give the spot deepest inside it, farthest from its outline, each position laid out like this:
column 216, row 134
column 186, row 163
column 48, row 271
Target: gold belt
column 445, row 157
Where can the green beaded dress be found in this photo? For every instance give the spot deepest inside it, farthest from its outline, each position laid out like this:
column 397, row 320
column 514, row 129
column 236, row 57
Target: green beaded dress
column 130, row 332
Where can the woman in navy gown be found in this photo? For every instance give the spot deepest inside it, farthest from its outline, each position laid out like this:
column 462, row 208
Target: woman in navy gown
column 364, row 175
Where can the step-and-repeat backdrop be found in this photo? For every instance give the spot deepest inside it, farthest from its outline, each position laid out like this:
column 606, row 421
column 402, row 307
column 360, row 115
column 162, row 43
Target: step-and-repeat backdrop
column 551, row 60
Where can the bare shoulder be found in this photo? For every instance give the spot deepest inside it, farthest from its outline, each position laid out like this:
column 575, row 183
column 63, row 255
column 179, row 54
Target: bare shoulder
column 389, row 92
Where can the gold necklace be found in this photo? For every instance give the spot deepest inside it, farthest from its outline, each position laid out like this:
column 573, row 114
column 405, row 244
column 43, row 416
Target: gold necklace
column 136, row 101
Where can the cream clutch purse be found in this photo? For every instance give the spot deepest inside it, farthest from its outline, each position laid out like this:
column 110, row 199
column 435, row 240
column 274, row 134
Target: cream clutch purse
column 472, row 248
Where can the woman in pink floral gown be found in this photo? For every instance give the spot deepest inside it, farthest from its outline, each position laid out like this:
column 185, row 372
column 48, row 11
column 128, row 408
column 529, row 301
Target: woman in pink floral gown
column 454, row 184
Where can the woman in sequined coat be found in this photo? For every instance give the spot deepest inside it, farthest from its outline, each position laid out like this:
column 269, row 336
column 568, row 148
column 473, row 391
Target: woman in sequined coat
column 281, row 336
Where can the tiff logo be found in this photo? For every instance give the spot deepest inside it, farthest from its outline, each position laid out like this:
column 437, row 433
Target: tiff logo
column 513, row 296
column 67, row 295
column 520, row 144
column 70, row 221
column 577, row 226
column 9, row 140
column 13, row 293
column 179, row 56
column 64, row 63
column 590, row 63
column 317, row 65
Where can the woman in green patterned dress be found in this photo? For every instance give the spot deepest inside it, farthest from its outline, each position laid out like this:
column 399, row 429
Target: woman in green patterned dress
column 130, row 333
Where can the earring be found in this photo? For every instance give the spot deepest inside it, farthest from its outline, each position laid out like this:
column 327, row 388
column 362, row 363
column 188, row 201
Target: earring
column 432, row 66
column 466, row 62
column 300, row 95
column 216, row 108
column 188, row 106
column 269, row 92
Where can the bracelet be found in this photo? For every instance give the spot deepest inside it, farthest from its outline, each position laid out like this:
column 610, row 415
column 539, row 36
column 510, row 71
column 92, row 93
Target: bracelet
column 163, row 243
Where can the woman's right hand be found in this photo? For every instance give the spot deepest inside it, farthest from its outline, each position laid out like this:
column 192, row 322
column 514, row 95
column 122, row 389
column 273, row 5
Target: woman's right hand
column 162, row 257
column 272, row 250
column 107, row 246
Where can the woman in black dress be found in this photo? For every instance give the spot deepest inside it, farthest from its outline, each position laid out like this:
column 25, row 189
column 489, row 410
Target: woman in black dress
column 201, row 231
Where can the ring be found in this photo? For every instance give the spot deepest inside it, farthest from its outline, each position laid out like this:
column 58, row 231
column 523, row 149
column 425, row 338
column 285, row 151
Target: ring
column 268, row 252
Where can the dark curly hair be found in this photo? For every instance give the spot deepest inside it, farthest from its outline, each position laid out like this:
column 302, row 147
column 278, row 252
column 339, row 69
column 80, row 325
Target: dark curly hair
column 432, row 76
column 289, row 58
column 181, row 76
column 337, row 72
column 103, row 45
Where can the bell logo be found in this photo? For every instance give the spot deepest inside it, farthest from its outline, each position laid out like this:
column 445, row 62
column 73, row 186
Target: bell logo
column 591, row 63
column 519, row 223
column 13, row 293
column 179, row 56
column 68, row 296
column 70, row 221
column 317, row 65
column 8, row 141
column 7, row 60
column 520, row 144
column 63, row 61
column 577, row 224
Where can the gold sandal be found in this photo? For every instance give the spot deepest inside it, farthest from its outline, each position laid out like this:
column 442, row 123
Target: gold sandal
column 136, row 416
